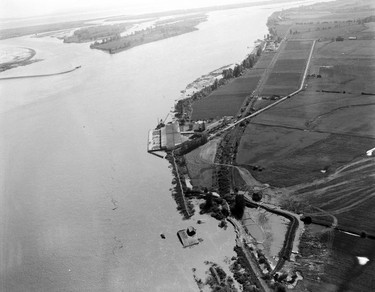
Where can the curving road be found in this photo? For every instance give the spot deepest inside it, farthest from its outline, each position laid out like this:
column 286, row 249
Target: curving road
column 290, row 234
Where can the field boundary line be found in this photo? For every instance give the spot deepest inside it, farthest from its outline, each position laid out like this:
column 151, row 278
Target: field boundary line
column 273, row 104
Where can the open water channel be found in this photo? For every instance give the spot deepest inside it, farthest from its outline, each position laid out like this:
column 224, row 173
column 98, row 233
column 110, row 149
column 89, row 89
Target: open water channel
column 82, row 204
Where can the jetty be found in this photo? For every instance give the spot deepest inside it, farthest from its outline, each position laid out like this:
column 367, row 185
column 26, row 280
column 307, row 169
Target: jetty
column 41, row 75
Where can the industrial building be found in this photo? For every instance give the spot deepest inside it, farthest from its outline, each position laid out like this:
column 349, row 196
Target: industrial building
column 165, row 138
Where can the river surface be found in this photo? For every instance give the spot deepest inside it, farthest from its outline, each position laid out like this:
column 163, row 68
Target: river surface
column 82, row 204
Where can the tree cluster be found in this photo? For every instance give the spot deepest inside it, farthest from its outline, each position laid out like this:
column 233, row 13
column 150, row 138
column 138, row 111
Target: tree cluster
column 216, row 206
column 238, row 208
column 190, row 145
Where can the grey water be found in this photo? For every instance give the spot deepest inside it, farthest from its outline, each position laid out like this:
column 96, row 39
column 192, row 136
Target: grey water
column 82, row 204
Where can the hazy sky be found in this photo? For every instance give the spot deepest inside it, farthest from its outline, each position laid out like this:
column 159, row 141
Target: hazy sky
column 27, row 8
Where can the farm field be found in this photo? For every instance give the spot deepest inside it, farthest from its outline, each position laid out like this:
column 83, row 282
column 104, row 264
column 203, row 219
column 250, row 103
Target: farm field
column 264, row 60
column 291, row 156
column 328, row 31
column 348, row 194
column 324, row 112
column 217, row 106
column 312, row 148
column 316, row 130
column 286, row 74
column 344, row 66
column 228, row 99
column 324, row 21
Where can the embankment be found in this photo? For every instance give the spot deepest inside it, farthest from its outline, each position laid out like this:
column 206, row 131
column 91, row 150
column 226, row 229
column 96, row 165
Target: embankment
column 40, row 75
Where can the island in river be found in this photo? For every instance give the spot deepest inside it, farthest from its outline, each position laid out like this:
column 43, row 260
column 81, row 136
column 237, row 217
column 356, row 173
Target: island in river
column 162, row 30
column 293, row 129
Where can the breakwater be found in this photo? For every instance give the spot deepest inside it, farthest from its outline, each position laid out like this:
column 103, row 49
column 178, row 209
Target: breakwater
column 40, row 75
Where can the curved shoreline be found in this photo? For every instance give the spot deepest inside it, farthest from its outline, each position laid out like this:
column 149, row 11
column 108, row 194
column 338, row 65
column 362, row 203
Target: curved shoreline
column 19, row 59
column 32, row 53
column 40, row 75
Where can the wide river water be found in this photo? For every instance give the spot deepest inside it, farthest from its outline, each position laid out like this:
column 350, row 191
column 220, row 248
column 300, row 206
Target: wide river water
column 82, row 204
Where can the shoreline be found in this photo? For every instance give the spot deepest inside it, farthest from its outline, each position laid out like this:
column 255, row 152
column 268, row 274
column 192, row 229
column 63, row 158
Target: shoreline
column 16, row 63
column 300, row 50
column 288, row 244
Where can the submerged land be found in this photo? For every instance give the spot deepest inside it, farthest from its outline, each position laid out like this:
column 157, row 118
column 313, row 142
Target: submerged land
column 288, row 136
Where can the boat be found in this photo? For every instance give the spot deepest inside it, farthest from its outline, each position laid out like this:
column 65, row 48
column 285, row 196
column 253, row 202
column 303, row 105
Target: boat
column 162, row 235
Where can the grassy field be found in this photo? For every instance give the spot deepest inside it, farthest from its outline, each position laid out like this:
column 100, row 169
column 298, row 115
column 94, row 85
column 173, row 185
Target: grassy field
column 290, row 65
column 339, row 124
column 299, row 45
column 290, row 79
column 324, row 21
column 228, row 99
column 344, row 66
column 324, row 112
column 314, row 144
column 348, row 193
column 265, row 59
column 200, row 164
column 217, row 106
column 306, row 134
column 286, row 74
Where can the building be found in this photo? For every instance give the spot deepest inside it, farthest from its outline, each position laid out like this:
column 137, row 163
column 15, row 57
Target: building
column 165, row 138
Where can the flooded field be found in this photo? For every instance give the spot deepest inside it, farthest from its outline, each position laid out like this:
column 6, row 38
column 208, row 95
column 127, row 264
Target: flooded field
column 268, row 231
column 200, row 163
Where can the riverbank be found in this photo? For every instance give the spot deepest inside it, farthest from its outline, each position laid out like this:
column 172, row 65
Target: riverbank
column 79, row 169
column 221, row 207
column 288, row 63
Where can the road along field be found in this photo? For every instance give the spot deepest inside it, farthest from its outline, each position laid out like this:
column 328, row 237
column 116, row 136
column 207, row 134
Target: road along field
column 316, row 144
column 286, row 73
column 228, row 99
column 316, row 130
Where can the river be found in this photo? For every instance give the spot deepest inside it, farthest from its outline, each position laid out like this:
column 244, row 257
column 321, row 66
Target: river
column 82, row 204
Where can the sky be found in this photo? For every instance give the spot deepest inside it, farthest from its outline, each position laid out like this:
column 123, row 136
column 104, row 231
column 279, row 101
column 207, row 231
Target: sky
column 32, row 8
